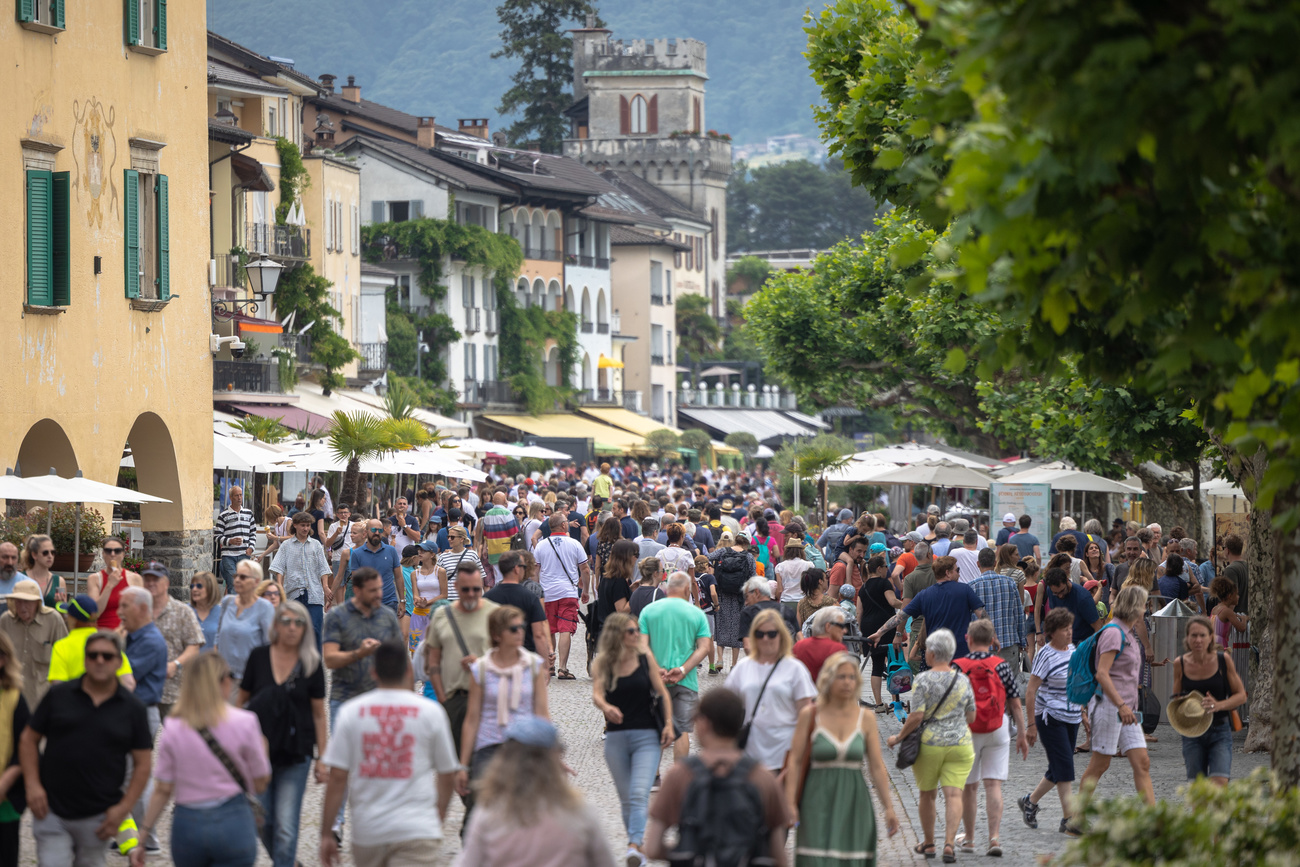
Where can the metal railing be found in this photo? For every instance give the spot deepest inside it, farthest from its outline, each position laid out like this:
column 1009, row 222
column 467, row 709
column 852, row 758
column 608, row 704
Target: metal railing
column 285, row 242
column 230, row 274
column 246, row 376
column 539, row 253
column 629, row 400
column 657, row 300
column 657, row 360
column 471, row 320
column 602, row 262
column 374, row 356
column 302, row 348
column 490, row 391
column 602, row 327
column 588, row 327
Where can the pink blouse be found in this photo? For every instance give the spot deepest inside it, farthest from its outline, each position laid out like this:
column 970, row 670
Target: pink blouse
column 198, row 776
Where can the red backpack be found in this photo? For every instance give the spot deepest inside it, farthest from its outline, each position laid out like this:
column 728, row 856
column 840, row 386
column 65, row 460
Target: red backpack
column 990, row 694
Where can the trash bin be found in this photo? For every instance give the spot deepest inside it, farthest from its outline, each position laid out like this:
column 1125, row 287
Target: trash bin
column 1168, row 626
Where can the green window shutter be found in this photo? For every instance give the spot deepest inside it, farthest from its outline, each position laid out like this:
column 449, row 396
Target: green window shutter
column 160, row 15
column 164, row 241
column 40, row 248
column 62, row 224
column 131, row 234
column 133, row 22
column 57, row 9
column 26, row 10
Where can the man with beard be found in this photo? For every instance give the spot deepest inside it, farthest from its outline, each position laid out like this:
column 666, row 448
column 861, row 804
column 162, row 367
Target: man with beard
column 9, row 574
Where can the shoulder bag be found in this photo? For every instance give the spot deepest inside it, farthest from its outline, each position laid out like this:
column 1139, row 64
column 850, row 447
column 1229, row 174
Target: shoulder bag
column 656, row 700
column 455, row 627
column 563, row 565
column 909, row 748
column 259, row 813
column 743, row 738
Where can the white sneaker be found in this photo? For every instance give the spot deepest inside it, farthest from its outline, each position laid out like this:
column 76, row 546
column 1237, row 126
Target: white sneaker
column 634, row 858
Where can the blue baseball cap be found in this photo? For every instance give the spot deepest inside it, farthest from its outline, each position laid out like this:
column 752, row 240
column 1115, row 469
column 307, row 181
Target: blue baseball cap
column 81, row 607
column 429, row 545
column 532, row 731
column 877, row 548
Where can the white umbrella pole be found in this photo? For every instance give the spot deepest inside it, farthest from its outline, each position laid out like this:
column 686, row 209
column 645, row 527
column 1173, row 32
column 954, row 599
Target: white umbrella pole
column 76, row 553
column 49, row 517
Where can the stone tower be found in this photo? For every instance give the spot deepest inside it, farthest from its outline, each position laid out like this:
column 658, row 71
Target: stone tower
column 639, row 107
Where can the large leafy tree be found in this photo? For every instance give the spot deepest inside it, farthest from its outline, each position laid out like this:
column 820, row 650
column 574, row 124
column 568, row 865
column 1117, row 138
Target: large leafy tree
column 697, row 331
column 794, row 204
column 1122, row 183
column 533, row 32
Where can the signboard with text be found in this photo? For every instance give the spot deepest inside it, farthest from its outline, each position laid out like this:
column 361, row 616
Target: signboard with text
column 1032, row 500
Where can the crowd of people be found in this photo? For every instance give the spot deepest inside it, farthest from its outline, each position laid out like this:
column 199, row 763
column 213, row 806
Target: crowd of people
column 406, row 661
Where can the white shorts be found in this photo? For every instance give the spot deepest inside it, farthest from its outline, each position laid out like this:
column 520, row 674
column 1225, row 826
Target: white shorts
column 992, row 753
column 1110, row 737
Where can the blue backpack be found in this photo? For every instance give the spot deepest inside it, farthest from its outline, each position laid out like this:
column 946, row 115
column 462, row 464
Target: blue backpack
column 1081, row 679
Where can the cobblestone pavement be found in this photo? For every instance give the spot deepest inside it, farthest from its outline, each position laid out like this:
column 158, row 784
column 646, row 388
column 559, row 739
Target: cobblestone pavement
column 581, row 726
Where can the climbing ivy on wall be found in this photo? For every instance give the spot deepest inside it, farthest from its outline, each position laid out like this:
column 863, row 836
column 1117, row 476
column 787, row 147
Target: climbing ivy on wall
column 293, row 177
column 524, row 333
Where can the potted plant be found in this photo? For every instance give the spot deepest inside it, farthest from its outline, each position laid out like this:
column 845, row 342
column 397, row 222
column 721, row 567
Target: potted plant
column 63, row 533
column 14, row 529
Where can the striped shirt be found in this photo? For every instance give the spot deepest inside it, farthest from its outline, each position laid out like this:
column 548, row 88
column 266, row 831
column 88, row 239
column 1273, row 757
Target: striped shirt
column 233, row 524
column 1052, row 667
column 449, row 560
column 499, row 527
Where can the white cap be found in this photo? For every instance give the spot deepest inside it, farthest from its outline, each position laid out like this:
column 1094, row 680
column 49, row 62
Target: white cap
column 1008, row 518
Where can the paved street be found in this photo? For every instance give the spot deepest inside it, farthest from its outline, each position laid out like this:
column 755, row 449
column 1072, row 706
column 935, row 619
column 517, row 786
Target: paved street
column 581, row 727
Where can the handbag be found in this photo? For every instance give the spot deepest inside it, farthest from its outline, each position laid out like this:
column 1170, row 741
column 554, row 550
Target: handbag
column 1150, row 707
column 743, row 738
column 259, row 812
column 656, row 700
column 909, row 748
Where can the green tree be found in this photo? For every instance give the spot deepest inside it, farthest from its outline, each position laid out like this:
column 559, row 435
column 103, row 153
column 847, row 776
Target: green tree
column 262, row 429
column 744, row 442
column 701, row 442
column 402, row 339
column 1121, row 182
column 697, row 331
column 661, row 443
column 795, row 204
column 306, row 293
column 332, row 351
column 399, row 401
column 357, row 436
column 533, row 33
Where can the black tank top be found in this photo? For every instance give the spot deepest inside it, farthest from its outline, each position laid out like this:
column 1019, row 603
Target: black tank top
column 632, row 695
column 1215, row 686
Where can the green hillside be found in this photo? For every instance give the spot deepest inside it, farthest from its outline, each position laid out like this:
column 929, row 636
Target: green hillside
column 433, row 56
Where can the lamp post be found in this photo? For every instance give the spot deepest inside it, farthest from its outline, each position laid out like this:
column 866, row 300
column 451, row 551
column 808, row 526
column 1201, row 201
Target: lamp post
column 263, row 275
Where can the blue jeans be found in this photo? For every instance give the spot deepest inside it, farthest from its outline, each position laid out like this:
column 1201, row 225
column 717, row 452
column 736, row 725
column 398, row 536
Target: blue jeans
column 316, row 613
column 228, row 564
column 633, row 759
column 1210, row 755
column 220, row 836
column 282, row 801
column 334, row 706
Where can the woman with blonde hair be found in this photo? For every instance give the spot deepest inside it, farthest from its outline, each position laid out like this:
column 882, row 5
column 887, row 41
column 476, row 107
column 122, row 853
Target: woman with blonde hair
column 245, row 619
column 833, row 812
column 14, row 713
column 504, row 683
column 527, row 810
column 775, row 687
column 270, row 591
column 212, row 759
column 206, row 591
column 625, row 683
column 36, row 562
column 284, row 684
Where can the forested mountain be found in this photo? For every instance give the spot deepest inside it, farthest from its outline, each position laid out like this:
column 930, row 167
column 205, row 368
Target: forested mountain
column 434, row 56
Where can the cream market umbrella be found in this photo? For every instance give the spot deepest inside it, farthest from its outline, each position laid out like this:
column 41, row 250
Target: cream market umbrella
column 938, row 474
column 859, row 473
column 1063, row 478
column 911, row 453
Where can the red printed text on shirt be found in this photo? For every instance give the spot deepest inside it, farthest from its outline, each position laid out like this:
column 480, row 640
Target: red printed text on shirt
column 386, row 754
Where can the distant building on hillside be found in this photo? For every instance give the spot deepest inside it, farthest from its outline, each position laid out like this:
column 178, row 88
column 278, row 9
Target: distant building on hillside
column 780, row 149
column 639, row 109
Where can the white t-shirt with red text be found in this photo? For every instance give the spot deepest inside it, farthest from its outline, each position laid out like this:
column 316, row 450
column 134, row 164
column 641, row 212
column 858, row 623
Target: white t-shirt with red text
column 392, row 742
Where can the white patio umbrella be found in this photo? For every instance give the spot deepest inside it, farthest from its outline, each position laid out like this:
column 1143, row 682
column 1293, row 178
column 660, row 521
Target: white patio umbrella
column 859, row 472
column 541, row 453
column 911, row 453
column 939, row 474
column 1063, row 478
column 1219, row 488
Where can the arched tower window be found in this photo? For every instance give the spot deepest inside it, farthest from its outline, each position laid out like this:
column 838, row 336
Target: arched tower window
column 638, row 115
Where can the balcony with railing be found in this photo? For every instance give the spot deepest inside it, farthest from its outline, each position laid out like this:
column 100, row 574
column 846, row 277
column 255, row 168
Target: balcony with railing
column 588, row 261
column 545, row 255
column 374, row 357
column 472, row 320
column 629, row 400
column 282, row 242
column 588, row 327
column 260, row 377
column 489, row 392
column 602, row 327
column 229, row 272
column 657, row 360
column 657, row 299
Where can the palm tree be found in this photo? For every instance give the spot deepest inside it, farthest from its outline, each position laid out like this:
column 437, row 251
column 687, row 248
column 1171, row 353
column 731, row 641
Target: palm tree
column 262, row 429
column 356, row 436
column 399, row 401
column 697, row 331
column 816, row 460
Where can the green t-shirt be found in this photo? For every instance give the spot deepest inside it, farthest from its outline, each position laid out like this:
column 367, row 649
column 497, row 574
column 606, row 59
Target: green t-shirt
column 674, row 625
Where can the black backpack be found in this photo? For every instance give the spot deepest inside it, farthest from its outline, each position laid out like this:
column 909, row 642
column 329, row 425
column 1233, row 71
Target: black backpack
column 722, row 822
column 732, row 571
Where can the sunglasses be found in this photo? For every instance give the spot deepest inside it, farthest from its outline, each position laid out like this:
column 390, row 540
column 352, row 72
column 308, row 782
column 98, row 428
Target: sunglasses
column 376, row 529
column 197, row 587
column 470, row 590
column 49, row 553
column 100, row 655
column 765, row 633
column 516, row 627
column 835, row 623
column 292, row 621
column 113, row 552
column 632, row 630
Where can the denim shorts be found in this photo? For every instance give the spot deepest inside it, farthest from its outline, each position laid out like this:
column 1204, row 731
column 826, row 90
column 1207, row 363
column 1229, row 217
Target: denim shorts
column 1210, row 755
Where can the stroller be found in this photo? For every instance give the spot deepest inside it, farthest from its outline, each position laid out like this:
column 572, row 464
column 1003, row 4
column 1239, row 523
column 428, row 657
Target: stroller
column 898, row 680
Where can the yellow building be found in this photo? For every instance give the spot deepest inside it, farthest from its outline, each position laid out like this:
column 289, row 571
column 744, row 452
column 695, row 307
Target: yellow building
column 105, row 220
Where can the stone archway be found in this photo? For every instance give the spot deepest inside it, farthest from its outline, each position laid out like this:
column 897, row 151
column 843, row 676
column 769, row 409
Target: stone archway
column 162, row 524
column 45, row 446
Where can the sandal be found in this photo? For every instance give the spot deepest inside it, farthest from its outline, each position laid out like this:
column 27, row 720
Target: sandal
column 926, row 849
column 995, row 850
column 966, row 844
column 949, row 854
column 565, row 674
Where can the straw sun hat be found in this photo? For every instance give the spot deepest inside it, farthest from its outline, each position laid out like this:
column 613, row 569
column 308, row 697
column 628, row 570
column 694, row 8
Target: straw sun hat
column 1188, row 716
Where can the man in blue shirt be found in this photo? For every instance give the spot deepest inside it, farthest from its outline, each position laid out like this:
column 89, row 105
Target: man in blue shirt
column 947, row 604
column 147, row 650
column 628, row 523
column 1026, row 542
column 383, row 558
column 1064, row 593
column 1008, row 527
column 942, row 543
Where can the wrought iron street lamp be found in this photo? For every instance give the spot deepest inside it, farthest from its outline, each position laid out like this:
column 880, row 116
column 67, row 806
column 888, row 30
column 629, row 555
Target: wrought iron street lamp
column 263, row 275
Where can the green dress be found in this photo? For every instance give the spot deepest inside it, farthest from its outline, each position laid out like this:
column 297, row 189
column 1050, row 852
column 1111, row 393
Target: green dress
column 837, row 823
